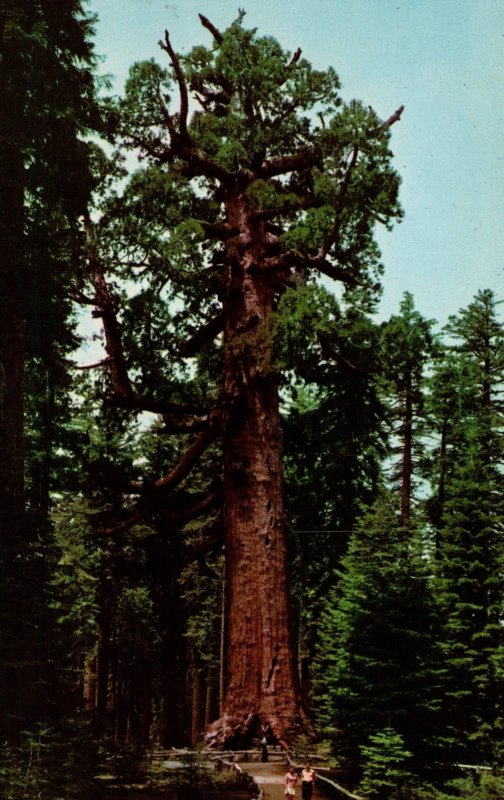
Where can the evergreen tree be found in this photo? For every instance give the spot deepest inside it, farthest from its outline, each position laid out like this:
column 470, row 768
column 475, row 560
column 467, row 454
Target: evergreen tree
column 46, row 94
column 385, row 765
column 377, row 665
column 245, row 195
column 470, row 537
column 334, row 441
column 408, row 346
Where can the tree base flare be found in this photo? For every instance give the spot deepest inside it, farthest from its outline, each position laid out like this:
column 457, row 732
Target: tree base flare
column 234, row 732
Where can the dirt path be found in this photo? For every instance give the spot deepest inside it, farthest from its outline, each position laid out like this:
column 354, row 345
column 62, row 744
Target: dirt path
column 270, row 778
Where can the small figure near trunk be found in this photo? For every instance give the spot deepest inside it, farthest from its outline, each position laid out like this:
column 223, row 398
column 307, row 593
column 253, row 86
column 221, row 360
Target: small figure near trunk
column 264, row 749
column 291, row 781
column 307, row 780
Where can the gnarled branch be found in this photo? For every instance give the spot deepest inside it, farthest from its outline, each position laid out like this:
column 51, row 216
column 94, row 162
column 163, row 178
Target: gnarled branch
column 293, row 258
column 179, row 517
column 280, row 166
column 210, row 27
column 179, row 74
column 124, row 393
column 392, row 119
column 188, row 460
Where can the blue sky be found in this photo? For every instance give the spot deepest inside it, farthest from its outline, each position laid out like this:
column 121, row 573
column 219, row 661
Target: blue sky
column 442, row 59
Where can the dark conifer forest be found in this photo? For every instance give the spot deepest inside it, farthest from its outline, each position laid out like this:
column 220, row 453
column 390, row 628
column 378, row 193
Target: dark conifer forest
column 260, row 510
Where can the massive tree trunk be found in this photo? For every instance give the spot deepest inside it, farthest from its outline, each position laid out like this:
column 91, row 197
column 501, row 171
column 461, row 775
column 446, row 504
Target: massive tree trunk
column 262, row 687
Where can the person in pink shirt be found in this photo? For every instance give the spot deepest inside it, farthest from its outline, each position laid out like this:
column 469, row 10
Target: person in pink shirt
column 291, row 781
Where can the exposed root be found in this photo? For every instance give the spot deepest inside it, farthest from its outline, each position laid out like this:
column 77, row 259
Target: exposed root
column 228, row 732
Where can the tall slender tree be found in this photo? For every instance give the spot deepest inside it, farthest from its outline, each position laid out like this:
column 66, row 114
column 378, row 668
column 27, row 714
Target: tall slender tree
column 470, row 550
column 379, row 664
column 408, row 346
column 46, row 92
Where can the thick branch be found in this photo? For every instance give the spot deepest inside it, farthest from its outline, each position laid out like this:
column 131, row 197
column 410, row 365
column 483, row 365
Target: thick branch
column 103, row 363
column 392, row 119
column 174, row 478
column 205, row 166
column 206, row 333
column 83, row 299
column 331, row 354
column 145, row 403
column 295, row 259
column 174, row 424
column 210, row 27
column 332, row 271
column 181, row 516
column 106, row 310
column 218, row 230
column 280, row 166
column 188, row 460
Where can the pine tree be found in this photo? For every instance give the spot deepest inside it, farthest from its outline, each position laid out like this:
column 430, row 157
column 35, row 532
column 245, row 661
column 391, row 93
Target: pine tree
column 377, row 665
column 408, row 346
column 470, row 535
column 334, row 439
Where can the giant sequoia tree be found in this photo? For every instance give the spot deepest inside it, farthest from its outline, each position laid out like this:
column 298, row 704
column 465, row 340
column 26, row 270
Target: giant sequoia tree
column 257, row 178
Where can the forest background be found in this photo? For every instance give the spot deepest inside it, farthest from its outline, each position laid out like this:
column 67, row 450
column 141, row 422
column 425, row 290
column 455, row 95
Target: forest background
column 112, row 575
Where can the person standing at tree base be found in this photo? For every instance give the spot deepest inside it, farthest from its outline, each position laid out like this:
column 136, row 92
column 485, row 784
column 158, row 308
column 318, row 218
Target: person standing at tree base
column 264, row 749
column 307, row 781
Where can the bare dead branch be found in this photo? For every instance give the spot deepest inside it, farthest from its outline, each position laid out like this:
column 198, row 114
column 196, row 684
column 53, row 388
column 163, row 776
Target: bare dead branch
column 295, row 57
column 210, row 27
column 179, row 74
column 393, row 118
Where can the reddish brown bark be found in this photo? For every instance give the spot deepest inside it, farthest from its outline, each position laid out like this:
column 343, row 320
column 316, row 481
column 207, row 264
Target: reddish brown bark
column 262, row 688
